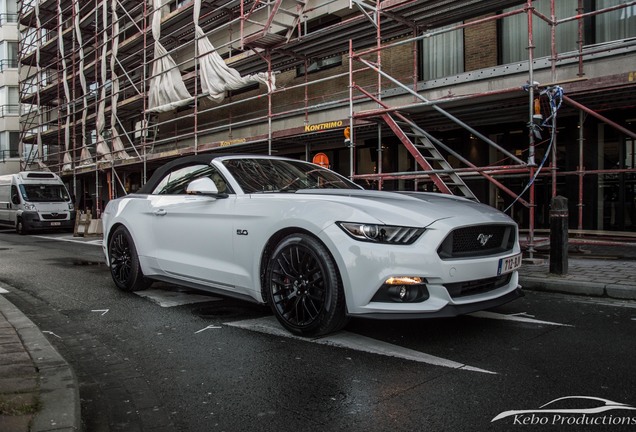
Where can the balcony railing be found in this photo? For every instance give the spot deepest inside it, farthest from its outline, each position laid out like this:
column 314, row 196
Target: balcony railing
column 8, row 18
column 9, row 110
column 8, row 64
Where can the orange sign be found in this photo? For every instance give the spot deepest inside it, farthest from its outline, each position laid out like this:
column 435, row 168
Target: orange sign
column 321, row 159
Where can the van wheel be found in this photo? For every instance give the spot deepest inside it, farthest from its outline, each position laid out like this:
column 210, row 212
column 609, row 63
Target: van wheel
column 124, row 262
column 20, row 228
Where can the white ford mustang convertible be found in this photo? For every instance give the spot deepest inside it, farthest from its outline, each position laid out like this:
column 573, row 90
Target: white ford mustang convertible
column 310, row 243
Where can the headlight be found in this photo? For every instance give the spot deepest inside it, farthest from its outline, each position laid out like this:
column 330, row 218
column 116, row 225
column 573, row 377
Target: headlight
column 381, row 233
column 29, row 207
column 71, row 207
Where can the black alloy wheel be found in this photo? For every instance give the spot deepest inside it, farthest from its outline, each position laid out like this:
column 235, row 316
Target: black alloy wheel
column 304, row 288
column 124, row 262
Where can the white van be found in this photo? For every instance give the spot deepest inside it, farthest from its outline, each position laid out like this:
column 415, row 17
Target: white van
column 34, row 200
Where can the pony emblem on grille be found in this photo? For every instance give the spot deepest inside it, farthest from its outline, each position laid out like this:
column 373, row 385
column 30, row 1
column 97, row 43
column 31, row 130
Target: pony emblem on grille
column 483, row 238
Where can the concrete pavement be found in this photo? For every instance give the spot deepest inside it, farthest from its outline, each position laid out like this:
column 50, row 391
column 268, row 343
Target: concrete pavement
column 39, row 391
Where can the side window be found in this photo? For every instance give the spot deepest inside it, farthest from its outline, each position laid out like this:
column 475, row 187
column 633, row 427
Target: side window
column 176, row 182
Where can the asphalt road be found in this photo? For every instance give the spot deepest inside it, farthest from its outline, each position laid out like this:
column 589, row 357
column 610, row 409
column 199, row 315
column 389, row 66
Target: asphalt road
column 174, row 360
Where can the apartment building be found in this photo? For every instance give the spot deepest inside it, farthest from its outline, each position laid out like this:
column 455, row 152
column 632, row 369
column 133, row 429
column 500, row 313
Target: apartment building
column 9, row 99
column 505, row 101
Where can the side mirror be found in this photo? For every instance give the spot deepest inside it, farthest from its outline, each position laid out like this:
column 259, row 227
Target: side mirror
column 204, row 186
column 15, row 199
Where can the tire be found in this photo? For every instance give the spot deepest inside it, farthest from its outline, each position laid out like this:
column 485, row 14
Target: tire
column 124, row 262
column 303, row 287
column 20, row 228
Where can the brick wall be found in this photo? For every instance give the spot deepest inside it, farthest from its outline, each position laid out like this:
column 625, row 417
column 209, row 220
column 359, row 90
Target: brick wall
column 480, row 43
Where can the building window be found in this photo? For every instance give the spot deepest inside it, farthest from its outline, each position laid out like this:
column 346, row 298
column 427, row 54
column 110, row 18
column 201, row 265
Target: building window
column 514, row 32
column 615, row 25
column 443, row 55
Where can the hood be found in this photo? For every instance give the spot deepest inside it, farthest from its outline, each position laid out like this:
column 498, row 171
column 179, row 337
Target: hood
column 412, row 208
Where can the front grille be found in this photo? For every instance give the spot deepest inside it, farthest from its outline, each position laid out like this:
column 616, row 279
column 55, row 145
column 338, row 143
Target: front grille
column 478, row 240
column 53, row 216
column 463, row 289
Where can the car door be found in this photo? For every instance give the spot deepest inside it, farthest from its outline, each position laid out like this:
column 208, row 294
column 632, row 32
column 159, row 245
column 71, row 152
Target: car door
column 193, row 233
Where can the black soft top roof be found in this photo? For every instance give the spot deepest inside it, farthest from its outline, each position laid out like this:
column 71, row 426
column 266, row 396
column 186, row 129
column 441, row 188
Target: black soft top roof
column 203, row 159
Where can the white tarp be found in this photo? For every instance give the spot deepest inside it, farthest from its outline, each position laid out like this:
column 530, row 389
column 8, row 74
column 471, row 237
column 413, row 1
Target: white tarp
column 216, row 76
column 118, row 146
column 67, row 161
column 85, row 156
column 167, row 90
column 101, row 146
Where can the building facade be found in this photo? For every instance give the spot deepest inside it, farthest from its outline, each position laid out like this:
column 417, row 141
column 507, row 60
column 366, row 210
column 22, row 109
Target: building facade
column 9, row 90
column 509, row 102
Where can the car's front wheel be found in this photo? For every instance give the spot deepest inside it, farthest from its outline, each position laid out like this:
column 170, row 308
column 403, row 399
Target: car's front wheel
column 304, row 288
column 124, row 261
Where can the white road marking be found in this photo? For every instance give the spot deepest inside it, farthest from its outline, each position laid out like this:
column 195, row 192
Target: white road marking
column 103, row 311
column 207, row 328
column 3, row 291
column 51, row 333
column 96, row 242
column 165, row 298
column 514, row 317
column 353, row 341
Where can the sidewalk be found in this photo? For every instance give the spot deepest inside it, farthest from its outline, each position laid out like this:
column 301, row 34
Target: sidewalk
column 39, row 391
column 593, row 269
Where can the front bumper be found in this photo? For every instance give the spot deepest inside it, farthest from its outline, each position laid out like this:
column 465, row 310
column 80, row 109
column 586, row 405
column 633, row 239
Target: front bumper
column 449, row 310
column 32, row 222
column 365, row 267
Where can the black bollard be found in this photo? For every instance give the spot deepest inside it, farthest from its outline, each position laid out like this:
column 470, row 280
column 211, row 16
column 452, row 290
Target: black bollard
column 559, row 235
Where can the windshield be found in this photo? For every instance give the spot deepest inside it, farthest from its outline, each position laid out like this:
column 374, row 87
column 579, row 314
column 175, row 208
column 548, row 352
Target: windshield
column 273, row 175
column 44, row 193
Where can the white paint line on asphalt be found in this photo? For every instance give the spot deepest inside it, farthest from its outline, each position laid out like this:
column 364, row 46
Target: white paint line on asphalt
column 51, row 333
column 515, row 317
column 165, row 298
column 355, row 342
column 208, row 328
column 3, row 291
column 96, row 242
column 103, row 311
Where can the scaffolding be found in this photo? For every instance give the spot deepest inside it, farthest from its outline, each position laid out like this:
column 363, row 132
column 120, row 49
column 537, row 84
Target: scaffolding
column 112, row 89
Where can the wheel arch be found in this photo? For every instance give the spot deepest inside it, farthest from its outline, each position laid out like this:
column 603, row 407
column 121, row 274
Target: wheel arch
column 270, row 246
column 112, row 229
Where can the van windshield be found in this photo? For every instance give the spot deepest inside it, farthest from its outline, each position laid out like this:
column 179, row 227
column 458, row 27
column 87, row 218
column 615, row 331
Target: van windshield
column 44, row 193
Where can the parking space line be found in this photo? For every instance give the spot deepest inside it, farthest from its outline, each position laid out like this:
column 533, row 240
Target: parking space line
column 515, row 317
column 3, row 291
column 96, row 242
column 355, row 342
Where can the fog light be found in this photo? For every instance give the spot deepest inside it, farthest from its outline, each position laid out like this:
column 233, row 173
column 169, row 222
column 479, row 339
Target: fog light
column 402, row 289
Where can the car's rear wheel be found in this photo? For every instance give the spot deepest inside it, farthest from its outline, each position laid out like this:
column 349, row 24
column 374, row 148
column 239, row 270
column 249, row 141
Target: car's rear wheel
column 124, row 262
column 304, row 288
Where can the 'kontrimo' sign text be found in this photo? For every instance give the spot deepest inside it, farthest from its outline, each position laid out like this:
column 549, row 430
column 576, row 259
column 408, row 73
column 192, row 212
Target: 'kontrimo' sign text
column 323, row 126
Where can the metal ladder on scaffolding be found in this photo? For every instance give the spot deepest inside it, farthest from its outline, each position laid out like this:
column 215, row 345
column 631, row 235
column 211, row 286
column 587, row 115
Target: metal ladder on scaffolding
column 427, row 156
column 264, row 38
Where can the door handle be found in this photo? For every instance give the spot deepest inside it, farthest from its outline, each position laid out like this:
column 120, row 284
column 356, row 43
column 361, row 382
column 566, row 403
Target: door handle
column 160, row 212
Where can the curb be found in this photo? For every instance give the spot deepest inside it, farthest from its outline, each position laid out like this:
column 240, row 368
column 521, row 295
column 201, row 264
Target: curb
column 58, row 387
column 594, row 289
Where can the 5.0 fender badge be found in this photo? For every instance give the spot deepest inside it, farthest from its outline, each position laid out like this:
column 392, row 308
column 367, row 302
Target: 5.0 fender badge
column 241, row 232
